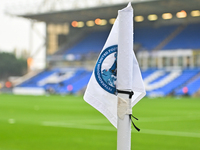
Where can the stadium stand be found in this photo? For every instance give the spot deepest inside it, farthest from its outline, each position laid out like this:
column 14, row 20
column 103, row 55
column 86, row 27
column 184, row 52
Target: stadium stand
column 162, row 81
column 32, row 82
column 147, row 37
column 192, row 82
column 72, row 85
column 150, row 37
column 147, row 72
column 80, row 84
column 179, row 81
column 193, row 86
column 158, row 81
column 158, row 39
column 57, row 81
column 92, row 43
column 187, row 39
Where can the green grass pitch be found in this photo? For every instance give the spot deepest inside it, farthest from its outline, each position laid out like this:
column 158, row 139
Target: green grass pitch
column 69, row 123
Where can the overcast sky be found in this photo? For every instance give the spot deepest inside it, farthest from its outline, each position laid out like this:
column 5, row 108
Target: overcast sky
column 15, row 34
column 14, row 31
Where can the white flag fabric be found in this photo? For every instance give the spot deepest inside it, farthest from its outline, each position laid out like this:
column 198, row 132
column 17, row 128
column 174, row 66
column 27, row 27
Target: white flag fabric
column 116, row 68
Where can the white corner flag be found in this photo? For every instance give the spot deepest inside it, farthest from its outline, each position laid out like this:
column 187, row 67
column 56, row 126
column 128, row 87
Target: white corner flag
column 116, row 68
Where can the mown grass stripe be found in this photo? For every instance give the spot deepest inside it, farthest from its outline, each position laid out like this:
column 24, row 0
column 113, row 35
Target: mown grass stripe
column 106, row 128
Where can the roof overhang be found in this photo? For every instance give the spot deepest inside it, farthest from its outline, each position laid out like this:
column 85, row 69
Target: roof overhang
column 106, row 12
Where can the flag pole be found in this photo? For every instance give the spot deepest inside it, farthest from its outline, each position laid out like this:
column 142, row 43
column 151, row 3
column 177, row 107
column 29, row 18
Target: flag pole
column 124, row 77
column 101, row 92
column 124, row 128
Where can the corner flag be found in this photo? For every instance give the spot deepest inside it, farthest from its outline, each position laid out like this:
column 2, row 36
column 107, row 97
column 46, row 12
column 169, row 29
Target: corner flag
column 116, row 68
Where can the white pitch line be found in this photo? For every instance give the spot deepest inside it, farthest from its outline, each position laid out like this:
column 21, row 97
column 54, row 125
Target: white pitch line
column 169, row 118
column 171, row 133
column 89, row 121
column 110, row 128
column 76, row 126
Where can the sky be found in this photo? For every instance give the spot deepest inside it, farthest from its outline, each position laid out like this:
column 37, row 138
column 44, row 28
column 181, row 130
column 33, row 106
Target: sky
column 15, row 34
column 15, row 31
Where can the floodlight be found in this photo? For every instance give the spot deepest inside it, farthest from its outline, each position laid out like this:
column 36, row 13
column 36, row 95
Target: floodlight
column 195, row 13
column 90, row 23
column 103, row 22
column 181, row 14
column 80, row 24
column 152, row 17
column 74, row 23
column 167, row 16
column 98, row 21
column 139, row 18
column 112, row 20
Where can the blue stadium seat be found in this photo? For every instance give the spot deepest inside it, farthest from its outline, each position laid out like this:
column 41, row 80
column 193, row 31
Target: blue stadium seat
column 147, row 37
column 187, row 39
column 193, row 86
column 80, row 84
column 92, row 43
column 81, row 77
column 150, row 37
column 32, row 82
column 177, row 82
column 159, row 78
column 147, row 72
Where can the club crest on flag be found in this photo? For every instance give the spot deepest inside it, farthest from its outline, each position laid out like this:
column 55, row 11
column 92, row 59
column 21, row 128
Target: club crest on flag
column 116, row 68
column 106, row 69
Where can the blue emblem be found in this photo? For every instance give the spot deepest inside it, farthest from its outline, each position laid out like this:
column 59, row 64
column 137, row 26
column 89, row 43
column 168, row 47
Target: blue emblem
column 106, row 69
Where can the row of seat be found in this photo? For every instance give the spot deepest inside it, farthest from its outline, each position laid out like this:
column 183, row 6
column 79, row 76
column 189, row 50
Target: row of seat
column 158, row 82
column 147, row 37
column 59, row 81
column 177, row 85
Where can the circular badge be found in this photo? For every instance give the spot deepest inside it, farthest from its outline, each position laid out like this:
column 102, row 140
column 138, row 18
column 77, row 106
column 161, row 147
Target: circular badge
column 106, row 69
